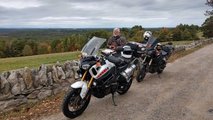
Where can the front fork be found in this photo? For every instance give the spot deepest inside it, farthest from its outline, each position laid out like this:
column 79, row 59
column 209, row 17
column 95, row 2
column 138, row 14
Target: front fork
column 84, row 85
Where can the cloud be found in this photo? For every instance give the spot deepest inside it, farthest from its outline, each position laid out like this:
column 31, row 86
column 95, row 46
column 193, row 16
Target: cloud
column 100, row 13
column 19, row 4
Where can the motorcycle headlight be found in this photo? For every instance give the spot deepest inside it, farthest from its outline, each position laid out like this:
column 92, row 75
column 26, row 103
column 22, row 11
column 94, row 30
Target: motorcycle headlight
column 85, row 66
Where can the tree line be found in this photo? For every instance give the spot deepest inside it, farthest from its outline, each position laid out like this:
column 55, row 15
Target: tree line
column 75, row 41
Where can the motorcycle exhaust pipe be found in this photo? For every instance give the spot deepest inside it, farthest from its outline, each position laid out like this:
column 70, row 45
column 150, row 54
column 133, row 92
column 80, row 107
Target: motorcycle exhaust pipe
column 128, row 72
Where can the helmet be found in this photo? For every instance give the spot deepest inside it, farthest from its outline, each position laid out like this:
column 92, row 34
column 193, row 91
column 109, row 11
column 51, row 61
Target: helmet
column 127, row 52
column 158, row 46
column 147, row 35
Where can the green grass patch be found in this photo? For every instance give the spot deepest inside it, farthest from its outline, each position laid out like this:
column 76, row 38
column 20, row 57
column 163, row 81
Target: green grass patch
column 36, row 60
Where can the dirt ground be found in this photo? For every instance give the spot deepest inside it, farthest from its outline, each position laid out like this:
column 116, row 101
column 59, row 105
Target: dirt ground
column 184, row 91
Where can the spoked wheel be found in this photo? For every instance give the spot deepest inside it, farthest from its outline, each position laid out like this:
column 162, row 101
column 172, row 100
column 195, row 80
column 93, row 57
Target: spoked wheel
column 141, row 74
column 124, row 87
column 73, row 105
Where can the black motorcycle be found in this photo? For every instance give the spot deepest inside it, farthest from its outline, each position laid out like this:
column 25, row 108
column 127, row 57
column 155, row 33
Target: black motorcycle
column 154, row 58
column 100, row 75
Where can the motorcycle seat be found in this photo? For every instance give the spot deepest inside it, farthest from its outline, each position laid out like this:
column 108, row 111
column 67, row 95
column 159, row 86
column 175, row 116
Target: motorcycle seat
column 115, row 60
column 164, row 53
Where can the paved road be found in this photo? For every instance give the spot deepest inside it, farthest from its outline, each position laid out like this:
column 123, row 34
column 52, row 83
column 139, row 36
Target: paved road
column 184, row 91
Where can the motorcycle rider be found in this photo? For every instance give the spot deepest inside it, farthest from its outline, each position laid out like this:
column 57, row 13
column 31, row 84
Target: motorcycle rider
column 149, row 40
column 154, row 48
column 146, row 36
column 116, row 40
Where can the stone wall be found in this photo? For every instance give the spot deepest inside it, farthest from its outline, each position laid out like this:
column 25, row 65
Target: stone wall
column 179, row 48
column 30, row 85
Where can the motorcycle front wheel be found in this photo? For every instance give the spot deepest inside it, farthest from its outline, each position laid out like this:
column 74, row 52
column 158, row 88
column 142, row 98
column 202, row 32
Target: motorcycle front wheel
column 73, row 105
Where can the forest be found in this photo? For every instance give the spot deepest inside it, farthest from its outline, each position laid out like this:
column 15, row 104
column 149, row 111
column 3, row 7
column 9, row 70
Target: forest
column 26, row 42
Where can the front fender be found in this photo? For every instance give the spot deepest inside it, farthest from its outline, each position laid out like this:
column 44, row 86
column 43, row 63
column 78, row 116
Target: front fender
column 78, row 84
column 83, row 86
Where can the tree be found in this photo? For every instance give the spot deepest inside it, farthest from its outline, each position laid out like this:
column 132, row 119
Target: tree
column 185, row 32
column 134, row 30
column 43, row 48
column 164, row 35
column 209, row 3
column 17, row 47
column 176, row 34
column 207, row 27
column 27, row 50
column 54, row 44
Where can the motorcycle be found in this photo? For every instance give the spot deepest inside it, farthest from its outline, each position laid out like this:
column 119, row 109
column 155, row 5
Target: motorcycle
column 154, row 58
column 102, row 75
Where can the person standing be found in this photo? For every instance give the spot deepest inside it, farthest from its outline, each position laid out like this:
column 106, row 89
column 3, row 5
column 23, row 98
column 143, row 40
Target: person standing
column 116, row 39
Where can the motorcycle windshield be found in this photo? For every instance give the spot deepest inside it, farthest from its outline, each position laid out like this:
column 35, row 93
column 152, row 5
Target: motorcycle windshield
column 93, row 45
column 152, row 42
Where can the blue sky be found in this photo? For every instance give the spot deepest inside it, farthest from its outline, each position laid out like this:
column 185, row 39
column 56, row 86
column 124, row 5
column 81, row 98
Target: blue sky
column 100, row 13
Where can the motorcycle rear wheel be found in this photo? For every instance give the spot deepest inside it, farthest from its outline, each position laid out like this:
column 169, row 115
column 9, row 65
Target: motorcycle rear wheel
column 141, row 74
column 124, row 87
column 73, row 105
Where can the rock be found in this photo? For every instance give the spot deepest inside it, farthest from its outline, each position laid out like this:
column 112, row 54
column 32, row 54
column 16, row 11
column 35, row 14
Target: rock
column 14, row 103
column 36, row 82
column 57, row 63
column 18, row 87
column 61, row 74
column 28, row 79
column 50, row 78
column 44, row 93
column 55, row 75
column 42, row 75
column 2, row 104
column 75, row 63
column 69, row 74
column 6, row 97
column 49, row 68
column 6, row 74
column 67, row 66
column 35, row 78
column 33, row 95
column 70, row 80
column 75, row 74
column 27, row 91
column 12, row 79
column 68, row 69
column 5, row 86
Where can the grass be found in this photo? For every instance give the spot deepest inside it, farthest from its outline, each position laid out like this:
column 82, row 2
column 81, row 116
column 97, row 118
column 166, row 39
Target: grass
column 35, row 61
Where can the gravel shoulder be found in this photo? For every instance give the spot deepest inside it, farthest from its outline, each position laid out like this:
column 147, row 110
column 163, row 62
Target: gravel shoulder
column 182, row 92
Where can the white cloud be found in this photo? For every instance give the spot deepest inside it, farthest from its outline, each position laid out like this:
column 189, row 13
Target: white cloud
column 100, row 13
column 19, row 4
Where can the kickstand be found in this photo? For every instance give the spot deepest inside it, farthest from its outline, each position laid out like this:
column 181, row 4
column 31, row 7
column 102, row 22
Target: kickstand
column 113, row 99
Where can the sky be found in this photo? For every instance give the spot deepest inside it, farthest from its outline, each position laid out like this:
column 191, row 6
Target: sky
column 100, row 13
